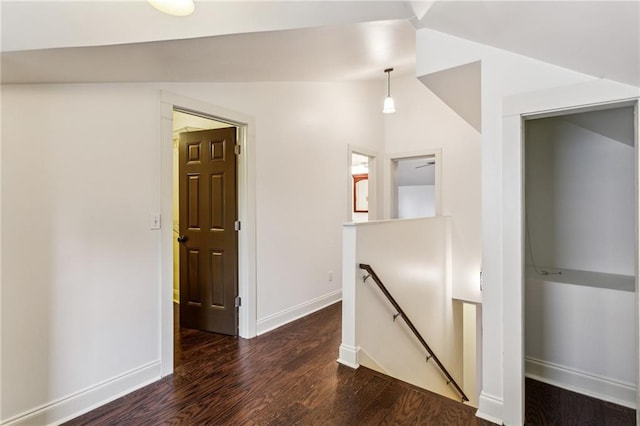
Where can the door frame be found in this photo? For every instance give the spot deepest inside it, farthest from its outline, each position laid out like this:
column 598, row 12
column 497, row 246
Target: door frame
column 246, row 184
column 515, row 109
column 391, row 195
column 373, row 180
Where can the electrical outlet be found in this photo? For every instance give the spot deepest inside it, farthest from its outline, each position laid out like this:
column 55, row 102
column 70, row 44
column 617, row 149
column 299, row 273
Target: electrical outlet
column 330, row 276
column 154, row 221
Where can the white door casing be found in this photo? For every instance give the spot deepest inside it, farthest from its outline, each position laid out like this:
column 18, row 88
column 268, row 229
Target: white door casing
column 515, row 109
column 247, row 284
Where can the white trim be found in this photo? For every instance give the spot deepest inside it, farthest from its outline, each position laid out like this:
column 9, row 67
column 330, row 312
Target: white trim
column 582, row 95
column 279, row 319
column 512, row 220
column 166, row 238
column 349, row 356
column 490, row 408
column 599, row 92
column 247, row 282
column 390, row 196
column 600, row 387
column 349, row 273
column 636, row 111
column 78, row 403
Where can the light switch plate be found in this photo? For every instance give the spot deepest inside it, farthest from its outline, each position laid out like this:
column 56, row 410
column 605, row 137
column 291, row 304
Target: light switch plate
column 154, row 221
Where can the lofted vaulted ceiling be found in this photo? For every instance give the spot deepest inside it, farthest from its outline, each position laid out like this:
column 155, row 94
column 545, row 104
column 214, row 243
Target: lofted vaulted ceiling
column 81, row 41
column 344, row 52
column 599, row 38
column 221, row 42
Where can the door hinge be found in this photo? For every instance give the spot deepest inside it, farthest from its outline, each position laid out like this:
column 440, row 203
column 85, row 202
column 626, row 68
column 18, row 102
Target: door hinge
column 236, row 149
column 237, row 225
column 238, row 301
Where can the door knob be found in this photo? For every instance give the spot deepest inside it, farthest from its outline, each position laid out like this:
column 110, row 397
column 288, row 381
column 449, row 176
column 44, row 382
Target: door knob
column 182, row 238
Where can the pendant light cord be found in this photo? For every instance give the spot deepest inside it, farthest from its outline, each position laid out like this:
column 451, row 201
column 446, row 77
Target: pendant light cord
column 528, row 238
column 388, row 71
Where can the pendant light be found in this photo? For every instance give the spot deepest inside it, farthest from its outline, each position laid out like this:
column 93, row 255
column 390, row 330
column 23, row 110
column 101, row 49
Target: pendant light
column 174, row 7
column 389, row 106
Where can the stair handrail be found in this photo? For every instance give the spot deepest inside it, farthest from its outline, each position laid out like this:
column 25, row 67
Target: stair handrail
column 400, row 313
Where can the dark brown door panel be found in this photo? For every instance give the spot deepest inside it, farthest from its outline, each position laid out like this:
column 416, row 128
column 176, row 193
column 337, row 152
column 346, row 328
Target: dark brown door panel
column 209, row 242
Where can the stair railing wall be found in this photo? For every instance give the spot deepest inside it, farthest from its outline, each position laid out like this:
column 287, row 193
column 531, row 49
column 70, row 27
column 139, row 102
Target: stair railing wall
column 414, row 256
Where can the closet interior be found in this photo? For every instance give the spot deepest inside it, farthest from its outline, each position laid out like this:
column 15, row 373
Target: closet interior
column 580, row 252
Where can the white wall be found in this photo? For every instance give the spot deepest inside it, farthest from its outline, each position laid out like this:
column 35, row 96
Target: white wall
column 291, row 126
column 423, row 122
column 581, row 338
column 81, row 284
column 416, row 201
column 580, row 195
column 503, row 74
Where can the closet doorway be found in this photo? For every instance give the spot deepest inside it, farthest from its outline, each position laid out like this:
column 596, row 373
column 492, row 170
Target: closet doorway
column 580, row 252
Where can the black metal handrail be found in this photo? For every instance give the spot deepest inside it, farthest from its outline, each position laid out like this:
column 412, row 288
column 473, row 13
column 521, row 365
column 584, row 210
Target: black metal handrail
column 400, row 313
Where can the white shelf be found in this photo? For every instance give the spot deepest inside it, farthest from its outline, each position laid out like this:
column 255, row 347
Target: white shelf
column 584, row 278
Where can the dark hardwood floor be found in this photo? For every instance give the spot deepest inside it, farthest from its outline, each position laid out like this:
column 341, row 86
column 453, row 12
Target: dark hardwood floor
column 549, row 405
column 287, row 377
column 290, row 377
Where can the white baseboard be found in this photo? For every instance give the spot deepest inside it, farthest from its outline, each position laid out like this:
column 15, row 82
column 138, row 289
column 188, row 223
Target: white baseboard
column 490, row 408
column 74, row 405
column 589, row 384
column 349, row 356
column 279, row 319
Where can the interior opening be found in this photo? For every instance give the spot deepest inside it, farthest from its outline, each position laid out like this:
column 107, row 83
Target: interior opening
column 183, row 122
column 580, row 251
column 415, row 187
column 359, row 188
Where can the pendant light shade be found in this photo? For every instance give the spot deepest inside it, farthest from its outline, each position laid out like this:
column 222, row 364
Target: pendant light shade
column 174, row 7
column 389, row 106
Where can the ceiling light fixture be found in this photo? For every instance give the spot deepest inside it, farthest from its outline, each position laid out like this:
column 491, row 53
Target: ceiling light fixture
column 389, row 106
column 174, row 7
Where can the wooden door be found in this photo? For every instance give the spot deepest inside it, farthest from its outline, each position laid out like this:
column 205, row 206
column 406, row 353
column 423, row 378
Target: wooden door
column 209, row 242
